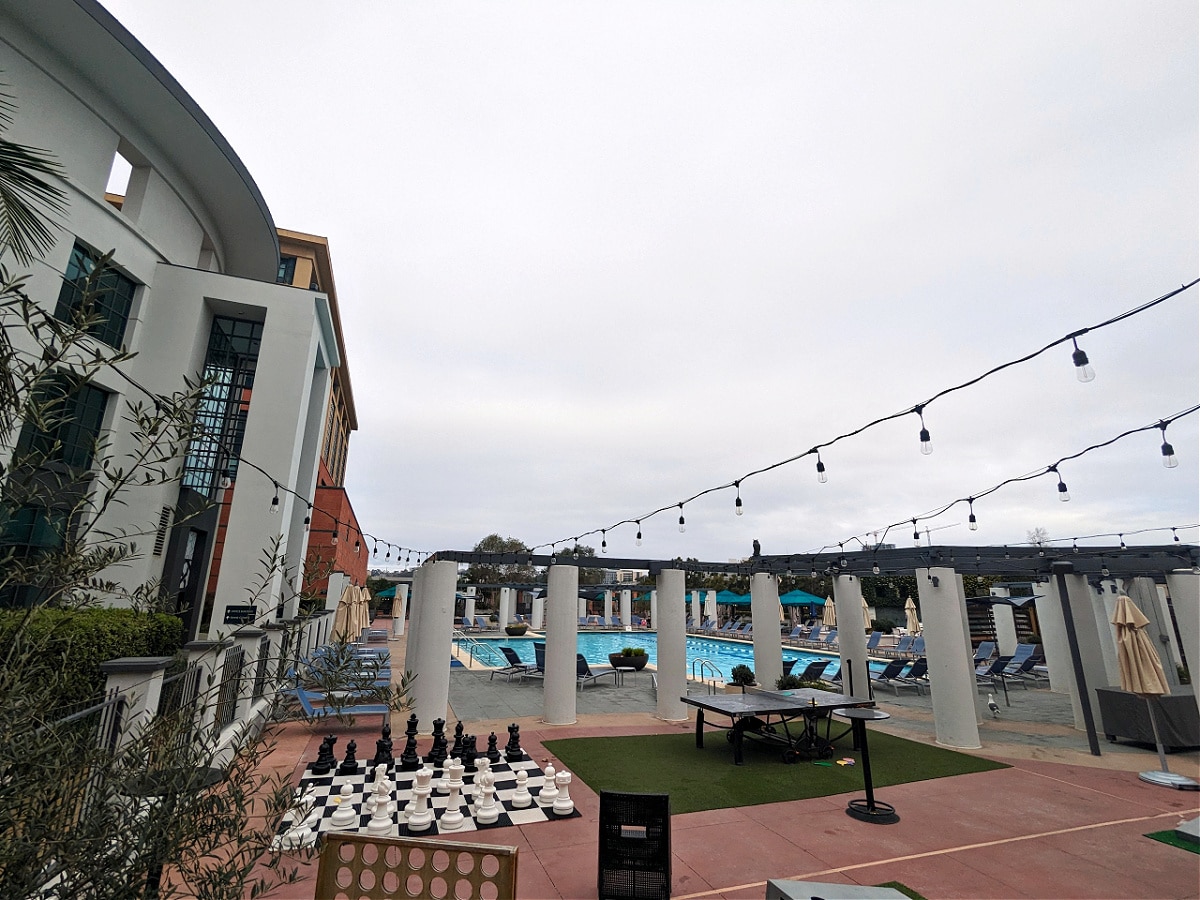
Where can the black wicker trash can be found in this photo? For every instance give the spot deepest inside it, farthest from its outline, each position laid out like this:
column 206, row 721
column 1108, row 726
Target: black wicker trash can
column 635, row 846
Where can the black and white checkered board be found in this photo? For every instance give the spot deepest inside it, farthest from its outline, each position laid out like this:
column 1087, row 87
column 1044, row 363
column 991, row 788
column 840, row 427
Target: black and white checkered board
column 327, row 788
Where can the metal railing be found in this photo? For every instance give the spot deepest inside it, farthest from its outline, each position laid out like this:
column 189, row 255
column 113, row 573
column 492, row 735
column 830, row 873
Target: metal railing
column 701, row 668
column 485, row 653
column 231, row 683
column 260, row 670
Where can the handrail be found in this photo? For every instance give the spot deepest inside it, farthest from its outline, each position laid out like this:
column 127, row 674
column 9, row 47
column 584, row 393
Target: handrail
column 706, row 666
column 487, row 652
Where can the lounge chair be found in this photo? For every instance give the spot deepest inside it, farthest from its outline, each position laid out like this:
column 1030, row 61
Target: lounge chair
column 889, row 675
column 515, row 668
column 917, row 676
column 990, row 674
column 539, row 668
column 584, row 674
column 918, row 646
column 312, row 713
column 830, row 639
column 873, row 639
column 814, row 670
column 814, row 635
column 795, row 633
column 984, row 652
column 482, row 624
column 902, row 648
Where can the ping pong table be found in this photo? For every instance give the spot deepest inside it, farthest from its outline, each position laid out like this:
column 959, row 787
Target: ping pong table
column 768, row 716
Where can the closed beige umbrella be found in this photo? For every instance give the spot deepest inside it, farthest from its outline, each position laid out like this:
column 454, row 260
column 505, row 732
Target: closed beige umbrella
column 342, row 616
column 829, row 617
column 1142, row 673
column 913, row 623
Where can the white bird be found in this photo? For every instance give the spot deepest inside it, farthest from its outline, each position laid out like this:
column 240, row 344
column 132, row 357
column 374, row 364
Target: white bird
column 993, row 706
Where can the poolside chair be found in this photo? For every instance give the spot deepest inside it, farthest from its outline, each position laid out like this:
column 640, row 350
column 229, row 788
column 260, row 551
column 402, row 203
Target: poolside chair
column 917, row 676
column 830, row 639
column 482, row 624
column 538, row 670
column 903, row 646
column 788, row 665
column 984, row 652
column 834, row 679
column 614, row 621
column 515, row 668
column 585, row 675
column 918, row 646
column 313, row 713
column 873, row 639
column 988, row 674
column 889, row 675
column 795, row 633
column 814, row 635
column 814, row 670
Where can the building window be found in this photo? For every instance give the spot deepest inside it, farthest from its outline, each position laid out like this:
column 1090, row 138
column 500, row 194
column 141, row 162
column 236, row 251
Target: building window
column 31, row 531
column 287, row 270
column 229, row 366
column 71, row 415
column 107, row 304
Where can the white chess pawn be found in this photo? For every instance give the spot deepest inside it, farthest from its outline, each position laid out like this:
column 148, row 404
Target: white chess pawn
column 563, row 804
column 548, row 792
column 521, row 797
column 487, row 810
column 345, row 815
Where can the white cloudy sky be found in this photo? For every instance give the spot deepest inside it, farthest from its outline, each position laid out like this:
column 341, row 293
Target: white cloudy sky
column 595, row 258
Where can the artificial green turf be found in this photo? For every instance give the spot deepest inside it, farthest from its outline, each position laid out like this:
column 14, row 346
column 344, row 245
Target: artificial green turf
column 902, row 888
column 708, row 779
column 1170, row 837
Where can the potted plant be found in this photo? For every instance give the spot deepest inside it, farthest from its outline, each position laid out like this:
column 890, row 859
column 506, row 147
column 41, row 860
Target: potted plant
column 740, row 678
column 629, row 658
column 515, row 629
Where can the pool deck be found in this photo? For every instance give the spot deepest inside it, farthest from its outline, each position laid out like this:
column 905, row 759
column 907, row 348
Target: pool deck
column 1059, row 823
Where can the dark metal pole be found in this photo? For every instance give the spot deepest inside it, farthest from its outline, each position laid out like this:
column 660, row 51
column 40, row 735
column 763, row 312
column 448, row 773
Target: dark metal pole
column 1061, row 570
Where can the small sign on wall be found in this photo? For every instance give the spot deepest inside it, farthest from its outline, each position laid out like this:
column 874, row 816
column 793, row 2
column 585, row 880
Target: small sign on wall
column 241, row 615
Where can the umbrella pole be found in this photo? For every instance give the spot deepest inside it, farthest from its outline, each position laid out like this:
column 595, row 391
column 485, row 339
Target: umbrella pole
column 1166, row 777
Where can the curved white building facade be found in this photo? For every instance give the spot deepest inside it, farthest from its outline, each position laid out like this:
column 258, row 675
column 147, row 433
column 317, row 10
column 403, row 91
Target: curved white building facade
column 197, row 245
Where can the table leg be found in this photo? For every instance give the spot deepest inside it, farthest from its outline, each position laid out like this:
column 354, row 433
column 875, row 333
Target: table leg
column 870, row 811
column 737, row 745
column 699, row 729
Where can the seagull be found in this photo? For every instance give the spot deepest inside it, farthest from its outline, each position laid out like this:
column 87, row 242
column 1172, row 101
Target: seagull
column 993, row 706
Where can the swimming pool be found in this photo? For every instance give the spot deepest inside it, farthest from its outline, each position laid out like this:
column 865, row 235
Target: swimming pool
column 724, row 655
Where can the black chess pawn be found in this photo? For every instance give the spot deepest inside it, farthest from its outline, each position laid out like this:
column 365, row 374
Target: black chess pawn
column 469, row 752
column 325, row 760
column 456, row 750
column 493, row 752
column 349, row 765
column 512, row 750
column 437, row 753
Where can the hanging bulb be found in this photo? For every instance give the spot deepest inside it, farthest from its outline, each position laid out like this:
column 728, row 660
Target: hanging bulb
column 387, row 553
column 275, row 501
column 821, row 476
column 226, row 482
column 638, row 540
column 682, row 525
column 333, row 537
column 1083, row 371
column 1168, row 452
column 737, row 504
column 1174, row 536
column 926, row 443
column 603, row 541
column 1121, row 537
column 308, row 517
column 357, row 545
column 971, row 521
column 875, row 569
column 1063, row 494
column 841, row 558
column 375, row 551
column 916, row 533
column 1074, row 546
column 1006, row 556
column 813, row 573
column 1103, row 569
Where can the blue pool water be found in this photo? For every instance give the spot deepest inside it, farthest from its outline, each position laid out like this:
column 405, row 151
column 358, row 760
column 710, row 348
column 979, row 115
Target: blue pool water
column 595, row 647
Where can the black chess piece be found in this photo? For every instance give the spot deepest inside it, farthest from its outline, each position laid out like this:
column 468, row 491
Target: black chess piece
column 325, row 760
column 469, row 752
column 383, row 754
column 437, row 753
column 456, row 750
column 493, row 752
column 386, row 735
column 512, row 750
column 349, row 765
column 410, row 760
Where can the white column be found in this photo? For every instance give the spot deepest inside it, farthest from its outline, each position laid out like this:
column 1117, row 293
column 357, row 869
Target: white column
column 1006, row 626
column 626, row 607
column 431, row 689
column 562, row 632
column 672, row 645
column 764, row 613
column 608, row 606
column 654, row 609
column 582, row 607
column 333, row 592
column 505, row 606
column 1054, row 638
column 537, row 614
column 414, row 619
column 469, row 608
column 401, row 606
column 852, row 642
column 1082, row 599
column 1184, row 588
column 696, row 608
column 710, row 605
column 951, row 671
column 1104, row 604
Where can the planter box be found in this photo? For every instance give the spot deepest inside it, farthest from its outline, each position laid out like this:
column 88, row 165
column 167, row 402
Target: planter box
column 636, row 663
column 516, row 630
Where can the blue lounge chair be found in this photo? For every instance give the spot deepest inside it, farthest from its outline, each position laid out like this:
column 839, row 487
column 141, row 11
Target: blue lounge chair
column 814, row 670
column 984, row 652
column 788, row 665
column 482, row 624
column 795, row 633
column 903, row 646
column 614, row 621
column 918, row 646
column 814, row 635
column 873, row 640
column 515, row 668
column 889, row 675
column 991, row 674
column 830, row 639
column 584, row 674
column 313, row 713
column 917, row 676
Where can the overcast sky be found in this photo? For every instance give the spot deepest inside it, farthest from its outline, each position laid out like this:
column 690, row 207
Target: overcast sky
column 595, row 258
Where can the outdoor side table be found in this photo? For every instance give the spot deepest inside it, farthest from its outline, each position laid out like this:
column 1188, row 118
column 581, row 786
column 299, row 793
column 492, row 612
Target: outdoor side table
column 870, row 809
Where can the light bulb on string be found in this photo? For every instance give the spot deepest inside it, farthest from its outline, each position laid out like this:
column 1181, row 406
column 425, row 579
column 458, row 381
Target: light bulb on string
column 926, row 443
column 603, row 540
column 875, row 568
column 682, row 524
column 972, row 523
column 1103, row 568
column 375, row 551
column 821, row 476
column 1063, row 494
column 1174, row 536
column 308, row 517
column 638, row 540
column 333, row 536
column 1074, row 546
column 1121, row 538
column 1168, row 452
column 275, row 499
column 1083, row 371
column 916, row 533
column 357, row 545
column 387, row 554
column 841, row 557
column 737, row 503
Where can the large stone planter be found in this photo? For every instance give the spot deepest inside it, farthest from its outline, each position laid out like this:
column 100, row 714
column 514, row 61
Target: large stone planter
column 636, row 663
column 516, row 629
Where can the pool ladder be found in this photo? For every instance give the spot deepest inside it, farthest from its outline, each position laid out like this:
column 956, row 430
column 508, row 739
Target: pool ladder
column 701, row 668
column 485, row 652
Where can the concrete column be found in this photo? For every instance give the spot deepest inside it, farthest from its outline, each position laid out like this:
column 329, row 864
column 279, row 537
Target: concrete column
column 469, row 608
column 852, row 642
column 1104, row 604
column 140, row 679
column 951, row 671
column 672, row 645
column 333, row 591
column 505, row 606
column 764, row 612
column 434, row 632
column 399, row 609
column 608, row 607
column 710, row 604
column 626, row 608
column 249, row 640
column 654, row 609
column 538, row 614
column 1054, row 638
column 1184, row 588
column 582, row 607
column 695, row 611
column 1006, row 626
column 1081, row 599
column 562, row 638
column 209, row 659
column 414, row 619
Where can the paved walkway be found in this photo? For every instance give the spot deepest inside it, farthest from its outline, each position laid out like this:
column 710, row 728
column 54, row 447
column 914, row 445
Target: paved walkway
column 1060, row 823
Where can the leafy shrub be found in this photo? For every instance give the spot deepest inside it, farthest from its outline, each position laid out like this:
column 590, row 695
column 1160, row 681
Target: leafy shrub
column 883, row 626
column 633, row 651
column 742, row 675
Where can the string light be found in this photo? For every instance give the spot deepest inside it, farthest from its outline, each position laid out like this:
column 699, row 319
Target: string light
column 603, row 541
column 916, row 533
column 275, row 499
column 821, row 476
column 1168, row 452
column 333, row 536
column 1083, row 371
column 682, row 525
column 638, row 540
column 972, row 523
column 875, row 568
column 1063, row 494
column 1103, row 568
column 1174, row 536
column 357, row 545
column 308, row 517
column 737, row 503
column 926, row 443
